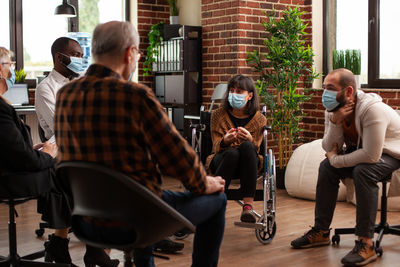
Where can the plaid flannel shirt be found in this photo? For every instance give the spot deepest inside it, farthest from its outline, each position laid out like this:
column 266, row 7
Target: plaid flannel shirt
column 104, row 119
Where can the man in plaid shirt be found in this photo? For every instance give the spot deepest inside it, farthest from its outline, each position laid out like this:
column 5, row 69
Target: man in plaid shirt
column 104, row 118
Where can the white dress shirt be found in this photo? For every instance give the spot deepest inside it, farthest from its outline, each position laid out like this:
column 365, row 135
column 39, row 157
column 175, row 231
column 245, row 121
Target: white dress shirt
column 45, row 101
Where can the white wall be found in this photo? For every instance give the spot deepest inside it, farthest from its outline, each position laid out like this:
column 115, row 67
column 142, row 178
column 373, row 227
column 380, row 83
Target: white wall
column 317, row 39
column 134, row 20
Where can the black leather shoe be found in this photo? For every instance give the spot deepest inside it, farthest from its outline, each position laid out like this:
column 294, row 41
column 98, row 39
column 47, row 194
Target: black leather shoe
column 56, row 250
column 168, row 246
column 97, row 256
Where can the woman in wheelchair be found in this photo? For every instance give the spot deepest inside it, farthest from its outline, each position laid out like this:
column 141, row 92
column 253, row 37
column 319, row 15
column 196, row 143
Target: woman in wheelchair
column 236, row 133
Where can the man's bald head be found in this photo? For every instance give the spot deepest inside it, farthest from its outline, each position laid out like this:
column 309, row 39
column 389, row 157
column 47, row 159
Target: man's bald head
column 344, row 78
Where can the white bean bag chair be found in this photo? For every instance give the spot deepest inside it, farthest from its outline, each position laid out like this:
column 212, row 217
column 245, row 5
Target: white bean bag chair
column 302, row 174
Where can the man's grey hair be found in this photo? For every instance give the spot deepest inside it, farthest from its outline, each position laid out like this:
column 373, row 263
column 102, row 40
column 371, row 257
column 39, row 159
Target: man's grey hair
column 113, row 38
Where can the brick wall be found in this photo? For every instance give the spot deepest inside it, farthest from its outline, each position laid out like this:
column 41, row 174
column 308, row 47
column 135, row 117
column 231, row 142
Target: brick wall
column 150, row 12
column 232, row 28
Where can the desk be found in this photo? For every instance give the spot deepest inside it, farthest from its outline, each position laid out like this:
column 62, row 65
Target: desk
column 28, row 115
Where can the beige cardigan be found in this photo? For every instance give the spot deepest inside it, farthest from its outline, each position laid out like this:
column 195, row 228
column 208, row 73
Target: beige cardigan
column 221, row 124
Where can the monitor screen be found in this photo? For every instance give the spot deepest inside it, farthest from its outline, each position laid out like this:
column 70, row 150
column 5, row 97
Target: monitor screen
column 18, row 95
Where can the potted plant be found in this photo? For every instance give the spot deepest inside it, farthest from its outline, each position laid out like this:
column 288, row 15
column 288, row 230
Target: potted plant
column 349, row 59
column 338, row 59
column 155, row 38
column 173, row 11
column 20, row 76
column 287, row 63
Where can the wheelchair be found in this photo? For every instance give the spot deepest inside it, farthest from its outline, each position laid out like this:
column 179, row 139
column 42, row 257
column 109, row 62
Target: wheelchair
column 265, row 226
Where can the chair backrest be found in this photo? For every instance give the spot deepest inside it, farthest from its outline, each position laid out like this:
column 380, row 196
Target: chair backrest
column 218, row 94
column 101, row 192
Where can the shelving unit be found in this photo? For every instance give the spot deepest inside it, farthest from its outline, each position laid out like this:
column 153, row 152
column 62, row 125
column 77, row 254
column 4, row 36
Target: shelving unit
column 178, row 76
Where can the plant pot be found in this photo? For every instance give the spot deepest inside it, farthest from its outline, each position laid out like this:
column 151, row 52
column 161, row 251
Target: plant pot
column 280, row 178
column 173, row 19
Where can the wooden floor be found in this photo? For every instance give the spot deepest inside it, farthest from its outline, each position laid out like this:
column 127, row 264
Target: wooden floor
column 240, row 246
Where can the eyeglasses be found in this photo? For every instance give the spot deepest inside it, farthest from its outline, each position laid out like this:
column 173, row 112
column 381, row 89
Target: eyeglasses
column 140, row 52
column 11, row 63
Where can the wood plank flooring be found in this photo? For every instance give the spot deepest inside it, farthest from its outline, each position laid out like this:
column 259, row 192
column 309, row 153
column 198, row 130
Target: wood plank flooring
column 240, row 246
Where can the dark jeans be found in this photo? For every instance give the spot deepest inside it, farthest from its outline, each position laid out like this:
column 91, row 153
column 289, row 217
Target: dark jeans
column 207, row 212
column 242, row 163
column 365, row 178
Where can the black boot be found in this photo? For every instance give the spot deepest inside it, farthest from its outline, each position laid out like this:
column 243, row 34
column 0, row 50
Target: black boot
column 97, row 256
column 56, row 250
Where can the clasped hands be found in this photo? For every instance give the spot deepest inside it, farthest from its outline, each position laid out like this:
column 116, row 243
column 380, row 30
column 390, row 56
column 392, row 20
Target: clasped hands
column 47, row 147
column 237, row 134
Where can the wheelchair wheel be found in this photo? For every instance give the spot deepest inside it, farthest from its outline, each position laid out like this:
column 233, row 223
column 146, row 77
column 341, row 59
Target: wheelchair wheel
column 265, row 235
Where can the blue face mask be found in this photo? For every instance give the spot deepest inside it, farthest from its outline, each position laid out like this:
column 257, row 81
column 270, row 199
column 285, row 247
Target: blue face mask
column 75, row 65
column 329, row 100
column 11, row 81
column 236, row 100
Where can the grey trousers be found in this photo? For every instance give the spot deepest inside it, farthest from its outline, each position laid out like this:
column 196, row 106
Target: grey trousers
column 365, row 178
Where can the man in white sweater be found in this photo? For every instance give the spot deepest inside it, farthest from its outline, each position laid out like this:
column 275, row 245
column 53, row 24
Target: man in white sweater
column 362, row 141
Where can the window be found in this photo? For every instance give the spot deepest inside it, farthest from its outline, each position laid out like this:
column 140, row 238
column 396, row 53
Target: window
column 39, row 33
column 33, row 27
column 93, row 12
column 369, row 25
column 352, row 31
column 389, row 57
column 5, row 25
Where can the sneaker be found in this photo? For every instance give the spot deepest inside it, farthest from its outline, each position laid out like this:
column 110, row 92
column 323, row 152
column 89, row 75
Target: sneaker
column 312, row 238
column 247, row 214
column 361, row 254
column 168, row 246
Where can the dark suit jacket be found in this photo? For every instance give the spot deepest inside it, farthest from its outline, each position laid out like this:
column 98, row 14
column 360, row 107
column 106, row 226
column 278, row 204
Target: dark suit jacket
column 23, row 170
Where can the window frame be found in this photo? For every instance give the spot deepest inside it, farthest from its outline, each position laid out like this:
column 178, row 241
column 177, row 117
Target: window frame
column 16, row 27
column 373, row 46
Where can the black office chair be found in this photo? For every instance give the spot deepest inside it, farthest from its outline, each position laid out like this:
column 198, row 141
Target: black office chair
column 16, row 189
column 382, row 228
column 103, row 193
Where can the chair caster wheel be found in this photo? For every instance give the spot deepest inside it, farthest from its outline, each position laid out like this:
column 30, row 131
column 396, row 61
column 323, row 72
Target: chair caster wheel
column 336, row 239
column 39, row 232
column 379, row 251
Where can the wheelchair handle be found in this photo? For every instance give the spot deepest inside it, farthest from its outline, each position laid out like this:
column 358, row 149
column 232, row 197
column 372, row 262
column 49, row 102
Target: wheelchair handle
column 267, row 127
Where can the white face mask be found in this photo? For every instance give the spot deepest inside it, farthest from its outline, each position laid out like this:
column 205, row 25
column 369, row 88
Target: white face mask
column 130, row 76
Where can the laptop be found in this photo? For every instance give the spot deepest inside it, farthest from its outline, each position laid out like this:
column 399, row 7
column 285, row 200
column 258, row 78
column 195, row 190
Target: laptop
column 18, row 95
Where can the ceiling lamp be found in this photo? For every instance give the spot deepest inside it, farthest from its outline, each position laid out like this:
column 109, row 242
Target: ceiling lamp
column 65, row 10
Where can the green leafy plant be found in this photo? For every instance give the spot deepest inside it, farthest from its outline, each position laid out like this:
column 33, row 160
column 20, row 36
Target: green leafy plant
column 20, row 76
column 173, row 7
column 356, row 61
column 155, row 39
column 287, row 63
column 338, row 59
column 349, row 59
